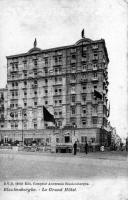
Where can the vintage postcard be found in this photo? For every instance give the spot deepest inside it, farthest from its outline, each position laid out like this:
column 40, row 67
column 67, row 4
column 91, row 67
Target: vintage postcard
column 63, row 99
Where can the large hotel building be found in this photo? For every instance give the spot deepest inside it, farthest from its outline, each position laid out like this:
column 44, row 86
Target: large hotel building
column 70, row 81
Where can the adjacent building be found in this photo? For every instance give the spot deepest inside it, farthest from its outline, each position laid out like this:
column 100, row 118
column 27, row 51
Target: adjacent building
column 70, row 81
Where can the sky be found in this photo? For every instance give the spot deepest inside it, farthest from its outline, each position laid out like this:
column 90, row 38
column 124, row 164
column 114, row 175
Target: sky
column 60, row 22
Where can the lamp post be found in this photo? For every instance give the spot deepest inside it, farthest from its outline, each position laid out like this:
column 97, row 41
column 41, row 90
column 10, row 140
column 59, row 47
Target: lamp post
column 22, row 134
column 74, row 126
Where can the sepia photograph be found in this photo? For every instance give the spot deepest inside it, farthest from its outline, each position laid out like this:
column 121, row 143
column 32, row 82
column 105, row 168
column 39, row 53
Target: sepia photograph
column 63, row 99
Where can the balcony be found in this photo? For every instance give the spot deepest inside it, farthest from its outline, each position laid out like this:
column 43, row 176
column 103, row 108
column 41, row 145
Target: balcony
column 34, row 86
column 95, row 58
column 57, row 63
column 84, row 59
column 73, row 81
column 95, row 79
column 94, row 68
column 85, row 80
column 57, row 94
column 73, row 61
column 73, row 103
column 94, row 114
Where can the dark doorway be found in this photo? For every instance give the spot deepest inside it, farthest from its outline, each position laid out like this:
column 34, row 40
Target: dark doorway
column 67, row 139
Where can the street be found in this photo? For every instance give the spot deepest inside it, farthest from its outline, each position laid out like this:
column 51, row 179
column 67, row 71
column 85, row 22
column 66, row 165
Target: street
column 24, row 165
column 104, row 175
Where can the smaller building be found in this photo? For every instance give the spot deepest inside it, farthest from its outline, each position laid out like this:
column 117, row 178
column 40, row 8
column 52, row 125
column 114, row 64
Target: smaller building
column 3, row 106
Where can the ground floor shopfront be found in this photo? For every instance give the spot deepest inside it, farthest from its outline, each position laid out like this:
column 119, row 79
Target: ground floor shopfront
column 55, row 137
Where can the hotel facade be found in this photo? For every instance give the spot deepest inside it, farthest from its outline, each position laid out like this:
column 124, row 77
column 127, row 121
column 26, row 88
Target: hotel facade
column 64, row 80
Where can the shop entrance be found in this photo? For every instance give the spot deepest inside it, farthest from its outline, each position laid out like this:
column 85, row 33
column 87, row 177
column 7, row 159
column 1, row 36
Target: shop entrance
column 67, row 139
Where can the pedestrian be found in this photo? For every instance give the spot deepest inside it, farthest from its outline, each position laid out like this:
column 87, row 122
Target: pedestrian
column 75, row 148
column 86, row 147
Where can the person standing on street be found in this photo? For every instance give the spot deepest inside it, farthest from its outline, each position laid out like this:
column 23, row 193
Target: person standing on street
column 75, row 148
column 86, row 147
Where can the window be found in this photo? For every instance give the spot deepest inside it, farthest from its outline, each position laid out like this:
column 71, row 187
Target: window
column 83, row 139
column 16, row 115
column 60, row 113
column 84, row 48
column 60, row 90
column 45, row 70
column 83, row 122
column 46, row 91
column 73, row 98
column 95, row 86
column 55, row 102
column 35, row 103
column 95, row 75
column 59, row 123
column 25, row 82
column 12, row 126
column 35, row 62
column 16, row 93
column 95, row 46
column 35, row 125
column 25, row 125
column 84, row 87
column 84, row 67
column 35, row 92
column 25, row 63
column 25, row 104
column 55, row 113
column 46, row 61
column 46, row 125
column 95, row 108
column 25, row 74
column 60, row 101
column 16, row 125
column 57, row 140
column 73, row 110
column 46, row 102
column 25, row 114
column 84, row 97
column 11, row 105
column 35, row 73
column 84, row 110
column 73, row 66
column 94, row 120
column 73, row 56
column 94, row 66
column 25, row 93
column 95, row 56
column 58, row 59
column 47, row 140
column 73, row 77
column 35, row 82
column 93, row 139
column 46, row 81
column 73, row 89
column 73, row 50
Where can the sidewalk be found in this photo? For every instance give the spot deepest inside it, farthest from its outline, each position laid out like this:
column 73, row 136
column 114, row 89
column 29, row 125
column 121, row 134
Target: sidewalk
column 112, row 155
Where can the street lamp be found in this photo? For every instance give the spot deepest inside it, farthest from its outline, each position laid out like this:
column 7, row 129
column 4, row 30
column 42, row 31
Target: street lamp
column 22, row 124
column 74, row 126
